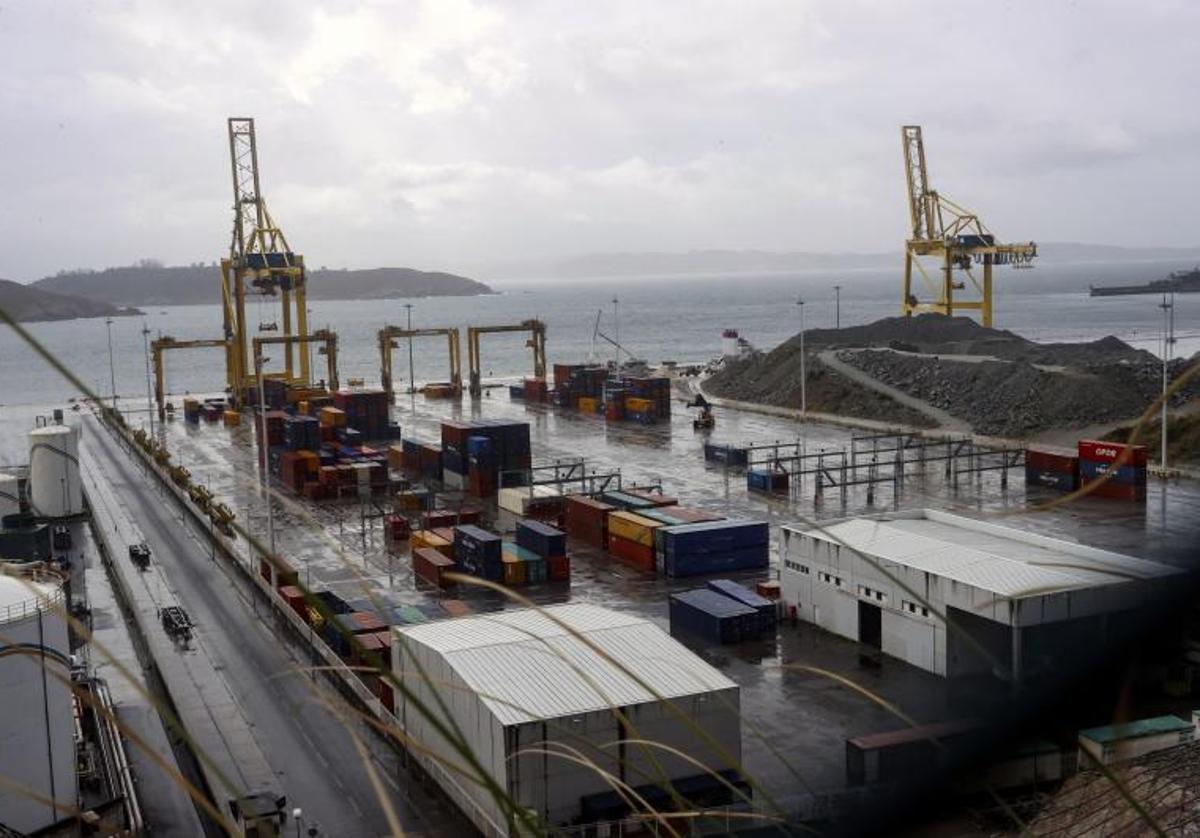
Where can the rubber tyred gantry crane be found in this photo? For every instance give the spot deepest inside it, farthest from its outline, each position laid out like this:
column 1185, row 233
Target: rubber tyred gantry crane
column 943, row 229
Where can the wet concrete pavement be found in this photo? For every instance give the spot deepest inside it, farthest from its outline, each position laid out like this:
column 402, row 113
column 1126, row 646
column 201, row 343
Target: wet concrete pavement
column 805, row 715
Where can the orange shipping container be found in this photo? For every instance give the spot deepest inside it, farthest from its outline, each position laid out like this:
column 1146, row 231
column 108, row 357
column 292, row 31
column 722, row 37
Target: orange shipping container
column 638, row 555
column 396, row 457
column 638, row 405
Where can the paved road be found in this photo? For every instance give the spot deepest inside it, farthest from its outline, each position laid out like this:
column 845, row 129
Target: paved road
column 307, row 745
column 944, row 419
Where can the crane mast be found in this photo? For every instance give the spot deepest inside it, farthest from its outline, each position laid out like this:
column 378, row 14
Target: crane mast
column 956, row 237
column 259, row 257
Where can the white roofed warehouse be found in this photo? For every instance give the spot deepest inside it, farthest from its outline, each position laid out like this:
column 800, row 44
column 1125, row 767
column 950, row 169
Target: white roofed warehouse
column 536, row 700
column 1020, row 603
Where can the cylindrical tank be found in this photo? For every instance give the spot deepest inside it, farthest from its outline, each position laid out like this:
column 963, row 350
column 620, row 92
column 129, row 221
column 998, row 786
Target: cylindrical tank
column 729, row 343
column 10, row 501
column 54, row 486
column 37, row 747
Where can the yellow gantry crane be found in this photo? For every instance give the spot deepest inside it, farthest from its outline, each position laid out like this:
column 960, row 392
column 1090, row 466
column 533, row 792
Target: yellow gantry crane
column 959, row 240
column 160, row 346
column 261, row 261
column 536, row 342
column 388, row 337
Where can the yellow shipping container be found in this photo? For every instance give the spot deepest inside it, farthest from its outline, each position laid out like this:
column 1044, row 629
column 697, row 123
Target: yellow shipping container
column 633, row 527
column 426, row 538
column 232, row 418
column 638, row 405
column 587, row 404
column 302, row 406
column 333, row 417
column 514, row 570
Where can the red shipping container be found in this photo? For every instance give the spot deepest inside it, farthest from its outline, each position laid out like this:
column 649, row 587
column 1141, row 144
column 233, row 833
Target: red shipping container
column 374, row 649
column 535, row 390
column 1051, row 459
column 1109, row 452
column 558, row 568
column 430, row 565
column 630, row 552
column 435, row 518
column 294, row 598
column 386, row 695
column 365, row 622
column 397, row 527
column 693, row 516
column 614, row 410
column 768, row 589
column 655, row 498
column 455, row 433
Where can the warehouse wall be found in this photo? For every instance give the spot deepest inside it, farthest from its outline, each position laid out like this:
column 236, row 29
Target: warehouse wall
column 552, row 786
column 917, row 640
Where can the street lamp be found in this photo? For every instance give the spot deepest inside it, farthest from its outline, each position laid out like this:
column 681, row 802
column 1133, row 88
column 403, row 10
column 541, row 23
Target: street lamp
column 297, row 814
column 1168, row 307
column 616, row 335
column 112, row 370
column 412, row 384
column 837, row 321
column 259, row 360
column 803, row 369
column 146, row 352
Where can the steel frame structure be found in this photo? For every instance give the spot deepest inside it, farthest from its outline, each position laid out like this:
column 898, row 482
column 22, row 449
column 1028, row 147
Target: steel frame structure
column 328, row 339
column 161, row 345
column 259, row 260
column 536, row 342
column 942, row 228
column 388, row 336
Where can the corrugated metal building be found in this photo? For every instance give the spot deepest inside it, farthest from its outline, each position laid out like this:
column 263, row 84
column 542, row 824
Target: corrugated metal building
column 1018, row 600
column 532, row 695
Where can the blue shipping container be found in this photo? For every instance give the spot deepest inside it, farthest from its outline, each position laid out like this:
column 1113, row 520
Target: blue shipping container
column 715, row 536
column 1127, row 475
column 677, row 565
column 767, row 612
column 712, row 616
column 543, row 539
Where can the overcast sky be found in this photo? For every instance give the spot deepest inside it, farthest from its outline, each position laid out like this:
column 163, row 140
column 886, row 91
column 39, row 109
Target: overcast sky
column 449, row 134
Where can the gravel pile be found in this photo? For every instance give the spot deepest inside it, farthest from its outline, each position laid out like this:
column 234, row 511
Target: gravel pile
column 1100, row 381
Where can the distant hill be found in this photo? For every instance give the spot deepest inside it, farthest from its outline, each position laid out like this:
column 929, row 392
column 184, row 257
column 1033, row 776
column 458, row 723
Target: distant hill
column 25, row 303
column 152, row 284
column 697, row 262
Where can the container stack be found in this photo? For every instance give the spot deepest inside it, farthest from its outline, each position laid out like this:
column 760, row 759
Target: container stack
column 631, row 538
column 549, row 544
column 430, row 565
column 478, row 552
column 301, row 433
column 768, row 611
column 535, row 390
column 1053, row 468
column 476, row 453
column 656, row 391
column 1123, row 465
column 712, row 616
column 366, row 411
column 587, row 520
column 192, row 410
column 771, row 481
column 712, row 547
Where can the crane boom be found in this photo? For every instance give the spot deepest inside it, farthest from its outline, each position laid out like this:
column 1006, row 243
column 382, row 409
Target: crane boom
column 943, row 229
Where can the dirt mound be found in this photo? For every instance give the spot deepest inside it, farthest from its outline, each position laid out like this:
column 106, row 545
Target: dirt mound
column 775, row 380
column 923, row 331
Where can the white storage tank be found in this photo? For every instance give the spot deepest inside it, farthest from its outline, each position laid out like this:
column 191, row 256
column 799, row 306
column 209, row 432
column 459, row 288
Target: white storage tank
column 55, row 490
column 37, row 747
column 10, row 500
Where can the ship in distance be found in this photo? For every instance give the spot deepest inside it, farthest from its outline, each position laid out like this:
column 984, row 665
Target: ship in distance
column 1178, row 282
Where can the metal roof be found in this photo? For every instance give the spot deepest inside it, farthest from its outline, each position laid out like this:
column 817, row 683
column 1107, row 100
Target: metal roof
column 1133, row 730
column 526, row 666
column 1003, row 560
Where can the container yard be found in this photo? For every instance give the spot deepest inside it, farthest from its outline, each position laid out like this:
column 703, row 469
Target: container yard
column 917, row 573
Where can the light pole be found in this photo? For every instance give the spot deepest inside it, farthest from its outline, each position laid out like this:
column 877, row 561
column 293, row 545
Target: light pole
column 837, row 306
column 1168, row 307
column 803, row 368
column 297, row 814
column 112, row 370
column 259, row 360
column 616, row 335
column 308, row 350
column 412, row 385
column 146, row 351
